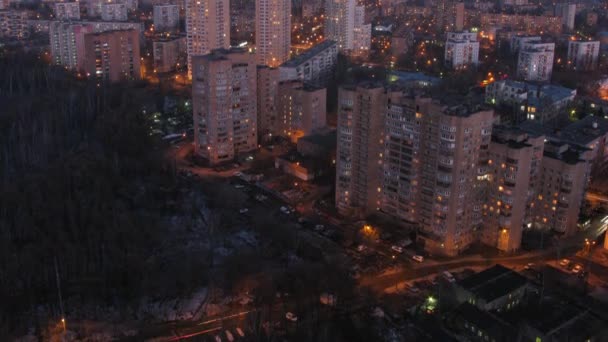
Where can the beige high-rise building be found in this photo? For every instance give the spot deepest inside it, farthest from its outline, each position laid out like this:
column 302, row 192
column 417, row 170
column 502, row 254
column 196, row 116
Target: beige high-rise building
column 267, row 102
column 112, row 55
column 207, row 27
column 302, row 109
column 224, row 104
column 67, row 44
column 272, row 31
column 359, row 149
column 511, row 176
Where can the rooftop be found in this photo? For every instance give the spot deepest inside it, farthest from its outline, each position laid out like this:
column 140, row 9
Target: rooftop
column 483, row 320
column 585, row 130
column 308, row 54
column 493, row 283
column 326, row 139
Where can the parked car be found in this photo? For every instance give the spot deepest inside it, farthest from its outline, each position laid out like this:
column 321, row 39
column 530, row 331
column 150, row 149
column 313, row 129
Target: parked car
column 564, row 262
column 448, row 276
column 418, row 258
column 577, row 268
column 243, row 210
column 319, row 227
column 361, row 248
column 229, row 336
column 397, row 249
column 529, row 266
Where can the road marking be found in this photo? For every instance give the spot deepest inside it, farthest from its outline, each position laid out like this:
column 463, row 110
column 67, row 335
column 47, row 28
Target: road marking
column 177, row 338
column 226, row 317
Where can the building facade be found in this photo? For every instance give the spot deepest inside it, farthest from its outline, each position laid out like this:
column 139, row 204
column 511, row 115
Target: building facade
column 314, row 66
column 461, row 50
column 67, row 44
column 166, row 17
column 67, row 11
column 535, row 61
column 267, row 102
column 273, row 31
column 224, row 104
column 114, row 12
column 13, row 25
column 583, row 55
column 113, row 55
column 167, row 53
column 207, row 27
column 302, row 109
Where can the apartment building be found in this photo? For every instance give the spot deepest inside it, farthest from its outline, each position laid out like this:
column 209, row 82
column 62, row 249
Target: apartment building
column 314, row 66
column 267, row 102
column 113, row 55
column 518, row 41
column 450, row 15
column 207, row 27
column 273, row 31
column 224, row 104
column 302, row 109
column 583, row 55
column 511, row 176
column 461, row 50
column 166, row 17
column 535, row 61
column 13, row 24
column 67, row 10
column 67, row 44
column 567, row 12
column 345, row 23
column 167, row 53
column 114, row 12
column 362, row 34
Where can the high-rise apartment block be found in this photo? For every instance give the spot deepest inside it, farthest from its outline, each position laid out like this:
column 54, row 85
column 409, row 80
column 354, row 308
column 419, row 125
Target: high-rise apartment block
column 13, row 24
column 166, row 17
column 272, row 31
column 67, row 44
column 450, row 15
column 224, row 104
column 314, row 66
column 207, row 27
column 112, row 55
column 267, row 102
column 518, row 41
column 67, row 11
column 583, row 55
column 345, row 22
column 114, row 12
column 535, row 61
column 448, row 171
column 461, row 50
column 567, row 12
column 302, row 109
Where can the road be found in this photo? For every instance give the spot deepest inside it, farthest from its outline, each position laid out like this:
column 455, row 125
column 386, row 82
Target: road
column 593, row 197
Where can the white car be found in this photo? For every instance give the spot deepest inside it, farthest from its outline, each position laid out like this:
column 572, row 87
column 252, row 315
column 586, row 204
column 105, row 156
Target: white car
column 397, row 249
column 218, row 339
column 361, row 248
column 448, row 276
column 240, row 332
column 319, row 227
column 239, row 186
column 418, row 258
column 243, row 210
column 229, row 336
column 285, row 210
column 291, row 317
column 564, row 262
column 577, row 269
column 414, row 290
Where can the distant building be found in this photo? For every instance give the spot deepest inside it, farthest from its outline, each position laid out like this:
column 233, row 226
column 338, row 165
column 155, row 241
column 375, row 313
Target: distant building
column 273, row 31
column 13, row 25
column 461, row 50
column 5, row 4
column 345, row 23
column 166, row 17
column 224, row 104
column 402, row 41
column 450, row 15
column 535, row 61
column 314, row 66
column 67, row 44
column 167, row 53
column 114, row 12
column 567, row 11
column 113, row 55
column 583, row 55
column 207, row 27
column 528, row 24
column 302, row 109
column 67, row 11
